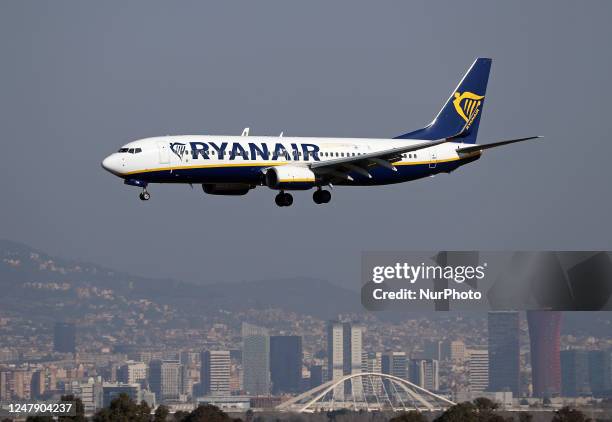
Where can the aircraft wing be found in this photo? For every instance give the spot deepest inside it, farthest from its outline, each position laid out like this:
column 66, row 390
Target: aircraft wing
column 474, row 148
column 341, row 167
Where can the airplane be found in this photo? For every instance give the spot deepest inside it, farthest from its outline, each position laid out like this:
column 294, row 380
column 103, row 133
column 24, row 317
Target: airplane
column 234, row 165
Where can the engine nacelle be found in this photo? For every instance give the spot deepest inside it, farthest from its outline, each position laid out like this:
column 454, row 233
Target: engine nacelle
column 290, row 178
column 226, row 188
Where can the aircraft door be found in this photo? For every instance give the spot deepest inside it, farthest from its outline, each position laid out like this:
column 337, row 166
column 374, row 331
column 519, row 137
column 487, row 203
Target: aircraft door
column 432, row 163
column 164, row 152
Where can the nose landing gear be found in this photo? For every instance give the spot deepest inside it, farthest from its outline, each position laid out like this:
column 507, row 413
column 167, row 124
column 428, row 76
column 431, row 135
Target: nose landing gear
column 321, row 196
column 284, row 199
column 144, row 195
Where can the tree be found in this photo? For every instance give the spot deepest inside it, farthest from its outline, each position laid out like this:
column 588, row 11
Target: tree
column 124, row 409
column 483, row 403
column 207, row 413
column 161, row 413
column 411, row 416
column 180, row 416
column 78, row 407
column 462, row 412
column 567, row 414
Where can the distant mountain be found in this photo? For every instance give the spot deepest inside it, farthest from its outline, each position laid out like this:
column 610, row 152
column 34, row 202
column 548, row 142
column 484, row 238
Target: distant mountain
column 30, row 278
column 43, row 287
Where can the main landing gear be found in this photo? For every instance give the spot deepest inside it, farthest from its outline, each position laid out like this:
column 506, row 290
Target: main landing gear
column 284, row 199
column 144, row 195
column 321, row 196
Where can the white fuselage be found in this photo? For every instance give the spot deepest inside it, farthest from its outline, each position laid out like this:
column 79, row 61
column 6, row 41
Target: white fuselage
column 243, row 159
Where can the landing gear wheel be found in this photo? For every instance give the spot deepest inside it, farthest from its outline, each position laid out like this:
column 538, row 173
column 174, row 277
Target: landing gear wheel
column 321, row 196
column 325, row 196
column 283, row 199
column 316, row 196
column 144, row 196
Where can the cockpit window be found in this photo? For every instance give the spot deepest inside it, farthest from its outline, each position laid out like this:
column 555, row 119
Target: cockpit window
column 137, row 150
column 123, row 150
column 131, row 150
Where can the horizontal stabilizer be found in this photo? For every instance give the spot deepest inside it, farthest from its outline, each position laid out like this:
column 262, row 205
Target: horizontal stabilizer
column 494, row 144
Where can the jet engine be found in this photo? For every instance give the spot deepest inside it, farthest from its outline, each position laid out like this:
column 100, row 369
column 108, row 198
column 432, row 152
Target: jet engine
column 290, row 178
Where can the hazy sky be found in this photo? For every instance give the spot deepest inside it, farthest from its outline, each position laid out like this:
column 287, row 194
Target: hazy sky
column 79, row 79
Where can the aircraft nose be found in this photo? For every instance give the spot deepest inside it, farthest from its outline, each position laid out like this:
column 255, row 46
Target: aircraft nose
column 111, row 164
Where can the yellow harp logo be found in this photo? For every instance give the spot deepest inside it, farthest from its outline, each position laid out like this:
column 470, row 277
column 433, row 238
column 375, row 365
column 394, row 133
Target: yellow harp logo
column 467, row 106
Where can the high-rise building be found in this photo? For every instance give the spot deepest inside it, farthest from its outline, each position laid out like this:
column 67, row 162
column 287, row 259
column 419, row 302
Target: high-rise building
column 395, row 363
column 478, row 370
column 38, row 385
column 425, row 373
column 286, row 363
column 335, row 350
column 132, row 373
column 353, row 349
column 316, row 375
column 111, row 391
column 21, row 383
column 344, row 350
column 453, row 350
column 504, row 352
column 88, row 390
column 433, row 349
column 256, row 359
column 372, row 362
column 5, row 389
column 64, row 337
column 545, row 339
column 215, row 372
column 600, row 372
column 574, row 373
column 165, row 379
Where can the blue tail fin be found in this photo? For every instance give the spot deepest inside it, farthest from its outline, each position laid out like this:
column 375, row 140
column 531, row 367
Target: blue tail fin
column 460, row 116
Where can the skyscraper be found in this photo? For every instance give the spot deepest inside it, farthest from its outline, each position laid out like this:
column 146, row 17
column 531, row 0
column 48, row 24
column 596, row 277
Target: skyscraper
column 478, row 370
column 353, row 348
column 574, row 373
column 335, row 354
column 316, row 376
column 64, row 337
column 425, row 373
column 256, row 359
column 395, row 363
column 165, row 379
column 286, row 363
column 344, row 350
column 504, row 352
column 600, row 372
column 433, row 349
column 545, row 338
column 215, row 372
column 372, row 362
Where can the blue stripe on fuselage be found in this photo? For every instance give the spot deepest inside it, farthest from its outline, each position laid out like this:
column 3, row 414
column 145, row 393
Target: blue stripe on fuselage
column 253, row 174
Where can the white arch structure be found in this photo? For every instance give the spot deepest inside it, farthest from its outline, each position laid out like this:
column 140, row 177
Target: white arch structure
column 384, row 395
